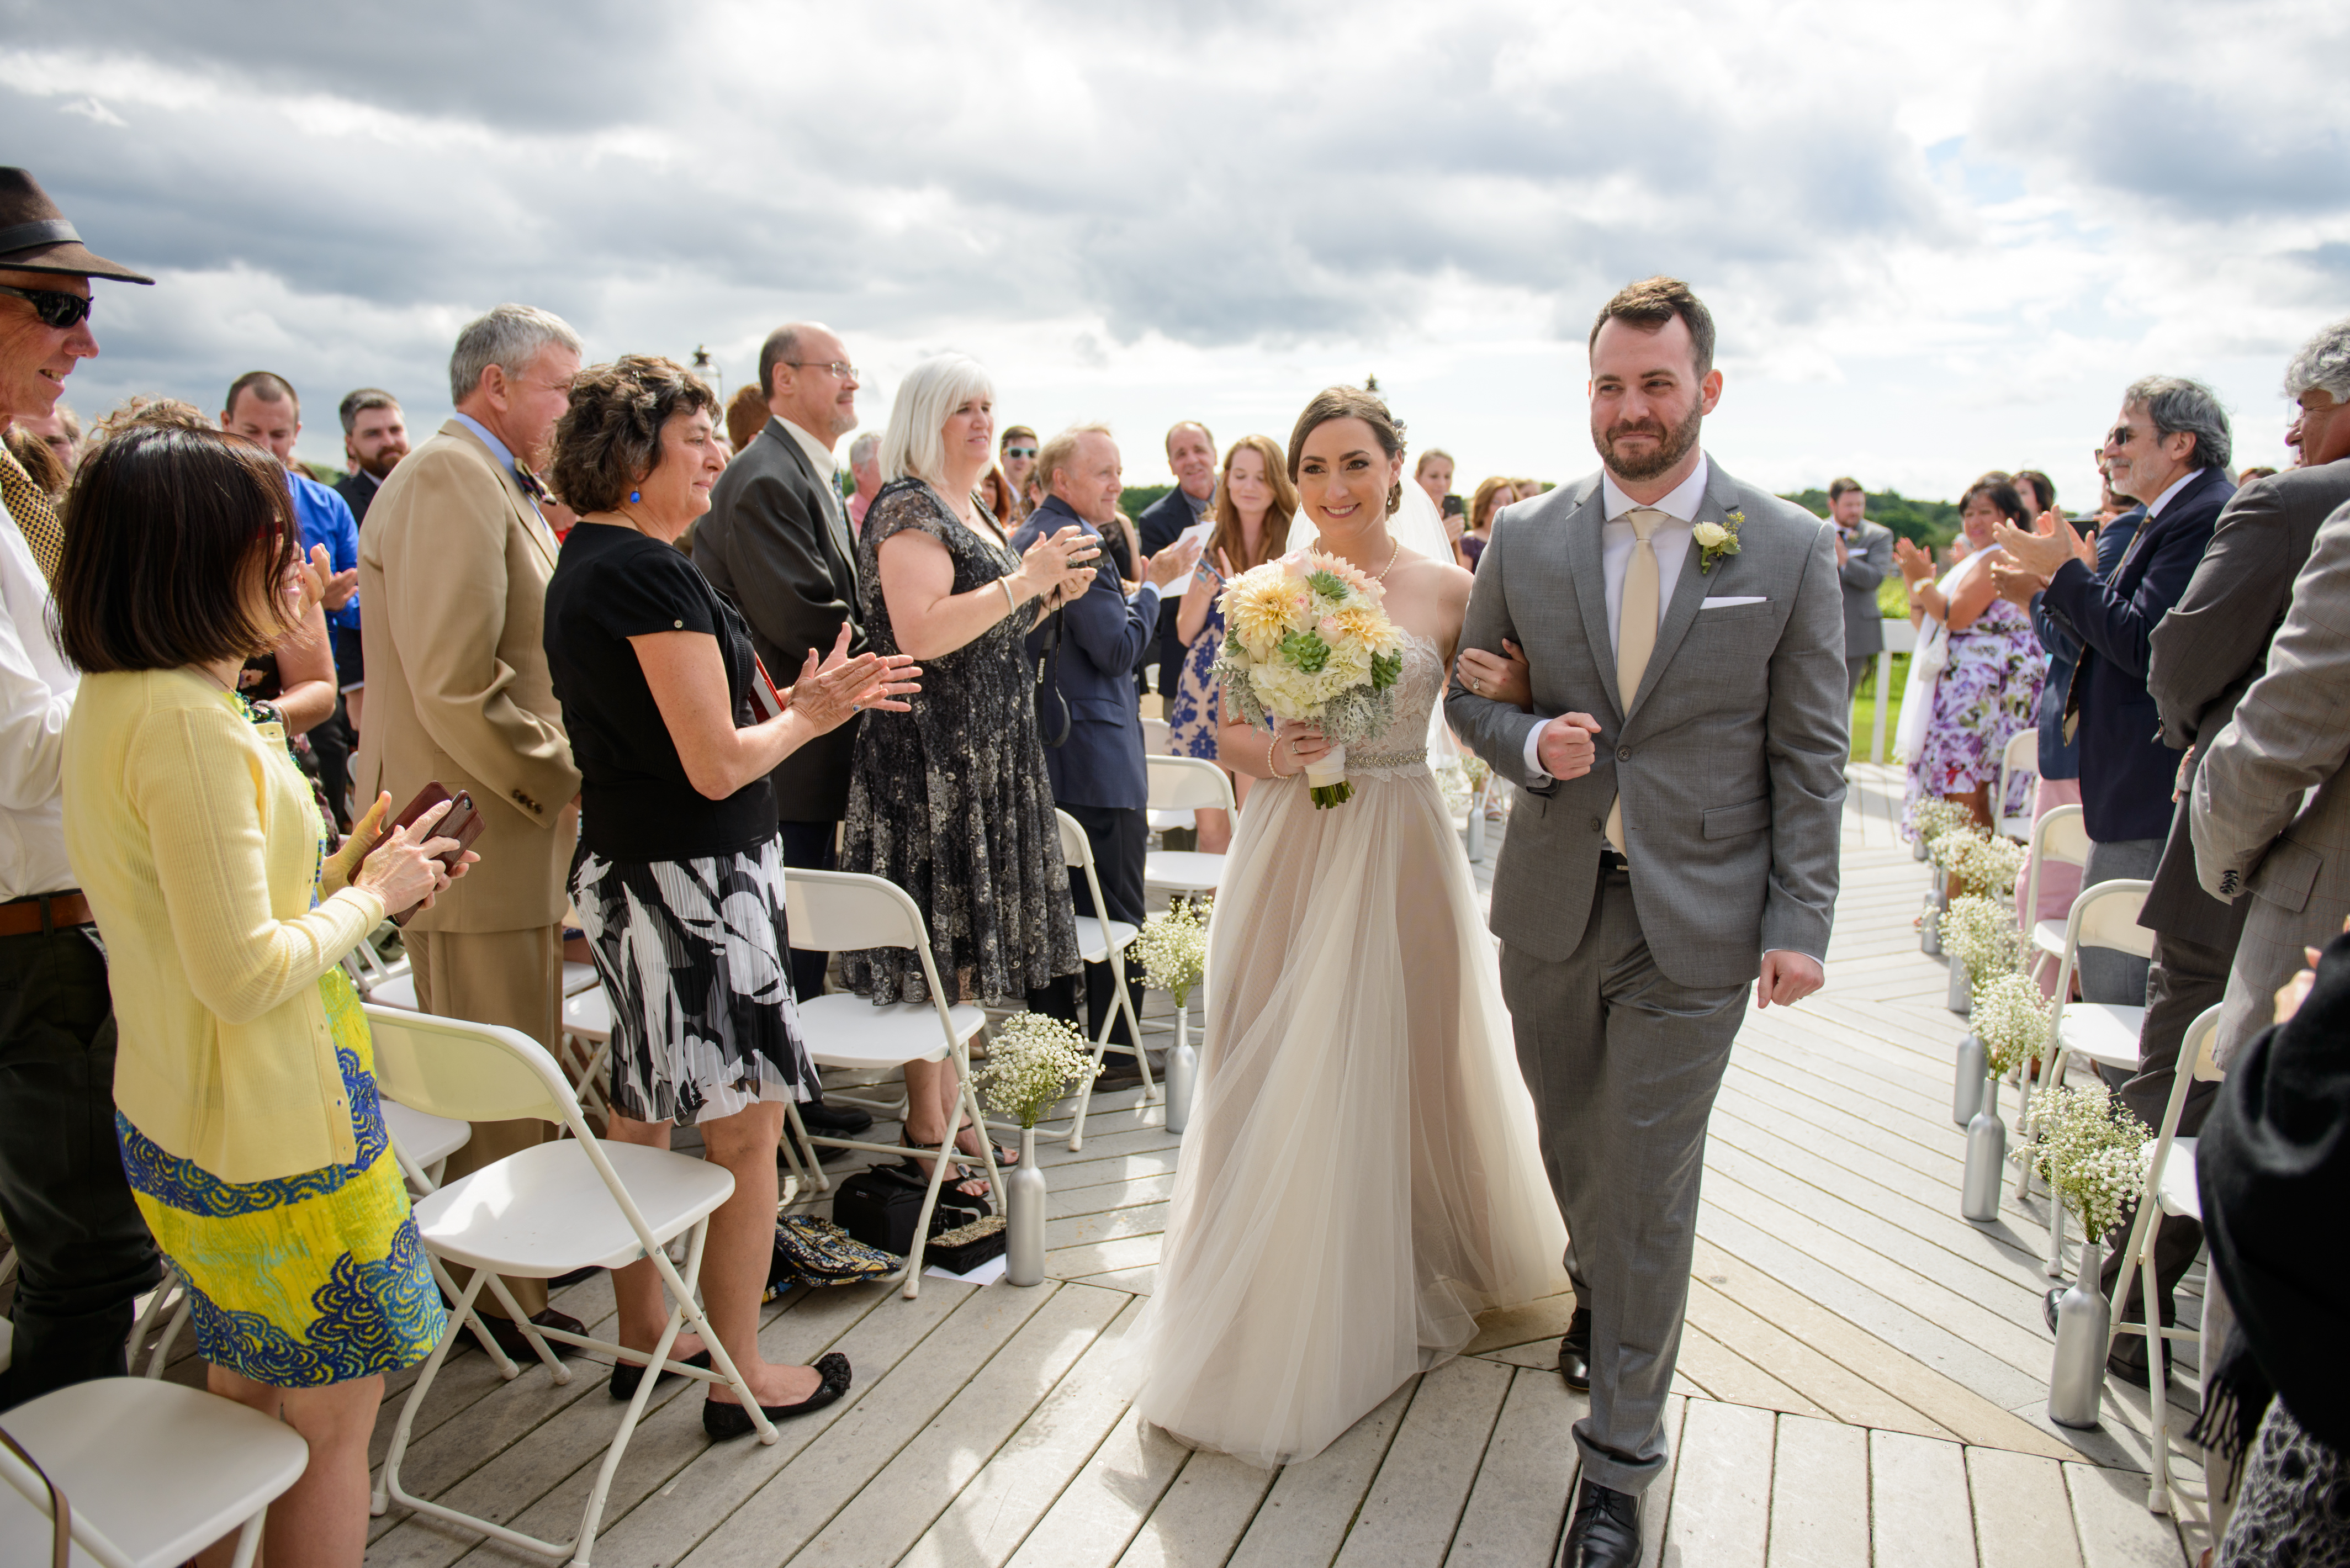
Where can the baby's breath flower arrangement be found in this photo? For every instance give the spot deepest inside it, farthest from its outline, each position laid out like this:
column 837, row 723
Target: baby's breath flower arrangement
column 1029, row 1065
column 2011, row 1018
column 1981, row 933
column 2092, row 1152
column 1930, row 819
column 1173, row 948
column 1986, row 863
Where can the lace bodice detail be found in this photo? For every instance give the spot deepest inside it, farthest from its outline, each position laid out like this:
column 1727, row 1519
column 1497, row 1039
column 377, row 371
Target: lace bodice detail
column 1404, row 743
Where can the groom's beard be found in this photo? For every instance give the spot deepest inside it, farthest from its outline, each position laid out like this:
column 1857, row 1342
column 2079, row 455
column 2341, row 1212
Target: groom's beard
column 1671, row 445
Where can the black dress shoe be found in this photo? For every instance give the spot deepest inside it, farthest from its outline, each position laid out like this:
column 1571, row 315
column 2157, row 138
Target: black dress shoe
column 1574, row 1351
column 827, row 1120
column 626, row 1376
column 1607, row 1529
column 517, row 1348
column 733, row 1421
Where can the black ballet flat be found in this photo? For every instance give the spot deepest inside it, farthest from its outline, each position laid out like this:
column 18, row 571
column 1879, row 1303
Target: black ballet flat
column 733, row 1421
column 625, row 1377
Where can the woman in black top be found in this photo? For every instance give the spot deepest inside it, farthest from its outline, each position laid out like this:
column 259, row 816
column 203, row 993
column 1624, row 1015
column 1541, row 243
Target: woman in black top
column 678, row 881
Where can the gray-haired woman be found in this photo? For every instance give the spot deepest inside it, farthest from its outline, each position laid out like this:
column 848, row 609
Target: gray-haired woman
column 678, row 880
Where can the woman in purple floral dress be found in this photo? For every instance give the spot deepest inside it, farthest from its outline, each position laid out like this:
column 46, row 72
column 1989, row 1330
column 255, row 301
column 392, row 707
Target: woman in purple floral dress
column 1989, row 689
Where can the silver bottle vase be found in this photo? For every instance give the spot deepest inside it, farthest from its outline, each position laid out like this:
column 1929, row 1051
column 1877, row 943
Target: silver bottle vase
column 1026, row 1199
column 1967, row 1081
column 2076, row 1381
column 1929, row 927
column 1961, row 993
column 1183, row 1076
column 1986, row 1159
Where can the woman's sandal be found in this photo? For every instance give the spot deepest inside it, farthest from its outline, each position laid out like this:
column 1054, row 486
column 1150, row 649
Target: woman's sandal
column 961, row 1177
column 733, row 1421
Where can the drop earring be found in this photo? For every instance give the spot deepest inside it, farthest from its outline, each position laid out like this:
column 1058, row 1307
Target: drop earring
column 635, row 496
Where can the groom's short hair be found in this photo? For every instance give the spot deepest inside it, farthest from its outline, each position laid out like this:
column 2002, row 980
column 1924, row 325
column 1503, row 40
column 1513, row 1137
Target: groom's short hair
column 1652, row 301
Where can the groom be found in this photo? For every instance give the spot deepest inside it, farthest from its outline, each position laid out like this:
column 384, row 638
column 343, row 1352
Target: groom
column 1684, row 772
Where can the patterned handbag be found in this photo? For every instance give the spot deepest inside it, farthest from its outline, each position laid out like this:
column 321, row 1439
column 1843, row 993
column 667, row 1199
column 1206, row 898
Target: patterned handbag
column 812, row 1251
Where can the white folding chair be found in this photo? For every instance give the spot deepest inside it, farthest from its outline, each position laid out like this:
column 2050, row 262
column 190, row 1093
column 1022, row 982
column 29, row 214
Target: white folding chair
column 1157, row 737
column 2170, row 1189
column 1102, row 940
column 847, row 911
column 1185, row 783
column 369, row 969
column 2061, row 836
column 587, row 1047
column 151, row 1473
column 2104, row 916
column 2021, row 756
column 546, row 1210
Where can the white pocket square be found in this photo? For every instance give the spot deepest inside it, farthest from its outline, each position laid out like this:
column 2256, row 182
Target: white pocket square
column 1734, row 599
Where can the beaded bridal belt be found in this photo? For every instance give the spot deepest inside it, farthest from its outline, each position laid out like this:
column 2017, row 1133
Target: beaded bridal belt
column 1386, row 764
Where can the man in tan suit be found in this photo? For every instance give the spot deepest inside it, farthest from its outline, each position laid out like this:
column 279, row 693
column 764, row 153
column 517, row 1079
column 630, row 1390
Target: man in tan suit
column 454, row 567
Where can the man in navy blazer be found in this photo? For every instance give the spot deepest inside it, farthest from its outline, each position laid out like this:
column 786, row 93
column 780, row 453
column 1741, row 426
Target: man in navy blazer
column 1097, row 773
column 2168, row 450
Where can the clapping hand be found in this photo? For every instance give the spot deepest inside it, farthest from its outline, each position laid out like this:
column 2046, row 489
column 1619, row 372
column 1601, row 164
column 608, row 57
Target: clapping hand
column 1171, row 563
column 1915, row 565
column 826, row 694
column 330, row 586
column 1502, row 678
column 2049, row 545
column 2013, row 584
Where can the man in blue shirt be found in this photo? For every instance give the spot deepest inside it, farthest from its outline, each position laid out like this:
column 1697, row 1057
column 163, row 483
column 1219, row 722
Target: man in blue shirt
column 263, row 409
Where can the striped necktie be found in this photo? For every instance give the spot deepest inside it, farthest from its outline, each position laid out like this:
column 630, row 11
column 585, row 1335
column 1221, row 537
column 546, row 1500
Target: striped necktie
column 35, row 514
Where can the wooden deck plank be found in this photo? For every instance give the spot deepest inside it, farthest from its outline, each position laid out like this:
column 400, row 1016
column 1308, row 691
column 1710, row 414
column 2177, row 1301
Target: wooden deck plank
column 1090, row 1525
column 1305, row 1518
column 1517, row 1511
column 1819, row 1495
column 2116, row 1530
column 1841, row 1394
column 1728, row 1375
column 1415, row 1501
column 1653, row 1518
column 1721, row 1494
column 1921, row 1515
column 1201, row 1517
column 2023, row 1518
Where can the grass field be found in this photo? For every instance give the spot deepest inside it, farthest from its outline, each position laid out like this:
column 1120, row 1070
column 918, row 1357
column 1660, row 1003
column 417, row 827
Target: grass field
column 1864, row 708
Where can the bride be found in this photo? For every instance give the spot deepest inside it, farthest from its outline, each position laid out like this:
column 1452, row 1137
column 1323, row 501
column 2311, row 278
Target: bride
column 1360, row 1177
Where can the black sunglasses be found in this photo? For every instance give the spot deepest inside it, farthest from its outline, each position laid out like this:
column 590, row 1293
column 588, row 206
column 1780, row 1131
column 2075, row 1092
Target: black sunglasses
column 53, row 305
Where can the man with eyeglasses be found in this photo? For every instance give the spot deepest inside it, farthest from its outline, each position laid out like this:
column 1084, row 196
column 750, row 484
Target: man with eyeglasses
column 1019, row 448
column 83, row 1251
column 776, row 541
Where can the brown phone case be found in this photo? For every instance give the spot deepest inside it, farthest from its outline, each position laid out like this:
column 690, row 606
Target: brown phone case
column 462, row 824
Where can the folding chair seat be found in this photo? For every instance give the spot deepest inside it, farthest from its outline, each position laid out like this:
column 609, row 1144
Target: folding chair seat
column 847, row 911
column 2170, row 1186
column 1185, row 783
column 151, row 1473
column 2104, row 916
column 2021, row 756
column 543, row 1211
column 1102, row 940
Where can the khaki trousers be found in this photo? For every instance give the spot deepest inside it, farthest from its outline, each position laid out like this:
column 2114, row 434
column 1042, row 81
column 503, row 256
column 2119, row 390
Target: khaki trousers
column 509, row 978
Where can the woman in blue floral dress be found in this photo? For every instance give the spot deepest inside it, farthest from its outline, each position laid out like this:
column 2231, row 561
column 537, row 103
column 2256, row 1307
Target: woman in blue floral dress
column 1255, row 502
column 1989, row 689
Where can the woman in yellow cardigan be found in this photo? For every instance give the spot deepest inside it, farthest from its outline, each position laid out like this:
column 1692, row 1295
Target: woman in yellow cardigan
column 245, row 1103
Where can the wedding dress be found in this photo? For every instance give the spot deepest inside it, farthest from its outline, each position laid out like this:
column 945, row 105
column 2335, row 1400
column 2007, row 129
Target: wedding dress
column 1360, row 1177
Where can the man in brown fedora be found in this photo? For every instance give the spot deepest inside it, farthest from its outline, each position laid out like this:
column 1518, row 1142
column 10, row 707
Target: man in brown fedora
column 83, row 1251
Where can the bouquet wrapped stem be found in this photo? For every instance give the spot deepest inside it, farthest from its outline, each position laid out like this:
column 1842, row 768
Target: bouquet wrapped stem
column 1307, row 641
column 1326, row 776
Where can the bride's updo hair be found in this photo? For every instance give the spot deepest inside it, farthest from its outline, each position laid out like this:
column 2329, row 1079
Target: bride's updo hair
column 1349, row 403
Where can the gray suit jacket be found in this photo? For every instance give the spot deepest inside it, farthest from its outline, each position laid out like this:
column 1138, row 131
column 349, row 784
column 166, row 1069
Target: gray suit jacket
column 2253, row 832
column 776, row 542
column 1867, row 558
column 1730, row 760
column 2212, row 646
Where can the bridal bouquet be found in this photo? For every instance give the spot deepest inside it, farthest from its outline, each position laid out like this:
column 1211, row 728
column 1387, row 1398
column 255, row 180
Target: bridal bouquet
column 1307, row 640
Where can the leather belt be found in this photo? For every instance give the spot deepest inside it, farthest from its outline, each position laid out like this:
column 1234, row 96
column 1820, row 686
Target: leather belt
column 1611, row 861
column 43, row 912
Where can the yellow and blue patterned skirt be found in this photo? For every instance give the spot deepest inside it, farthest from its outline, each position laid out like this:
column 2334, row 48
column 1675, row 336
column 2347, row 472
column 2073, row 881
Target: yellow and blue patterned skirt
column 310, row 1279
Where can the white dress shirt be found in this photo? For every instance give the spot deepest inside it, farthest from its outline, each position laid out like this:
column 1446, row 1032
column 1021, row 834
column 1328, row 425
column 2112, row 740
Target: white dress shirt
column 36, row 692
column 1616, row 538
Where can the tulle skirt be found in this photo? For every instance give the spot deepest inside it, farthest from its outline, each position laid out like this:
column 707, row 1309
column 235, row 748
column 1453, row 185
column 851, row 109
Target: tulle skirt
column 1361, row 1176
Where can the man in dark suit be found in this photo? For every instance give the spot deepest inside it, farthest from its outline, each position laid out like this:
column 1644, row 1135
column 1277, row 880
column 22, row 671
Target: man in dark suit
column 1864, row 552
column 375, row 438
column 2169, row 450
column 1098, row 775
column 776, row 542
column 1191, row 458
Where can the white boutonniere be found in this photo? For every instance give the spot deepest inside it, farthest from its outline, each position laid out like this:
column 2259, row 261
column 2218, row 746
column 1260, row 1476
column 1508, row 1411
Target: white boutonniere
column 1715, row 541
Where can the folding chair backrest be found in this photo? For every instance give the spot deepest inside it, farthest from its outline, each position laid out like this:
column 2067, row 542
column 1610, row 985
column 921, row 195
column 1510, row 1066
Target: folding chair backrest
column 2105, row 916
column 2063, row 837
column 468, row 1071
column 1188, row 784
column 90, row 1540
column 2022, row 755
column 1076, row 849
column 2202, row 1046
column 1157, row 737
column 844, row 912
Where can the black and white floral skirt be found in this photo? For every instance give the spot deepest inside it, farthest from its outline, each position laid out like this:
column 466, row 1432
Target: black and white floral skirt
column 694, row 959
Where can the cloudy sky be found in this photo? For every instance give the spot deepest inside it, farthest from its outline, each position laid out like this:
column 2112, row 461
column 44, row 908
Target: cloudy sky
column 1937, row 239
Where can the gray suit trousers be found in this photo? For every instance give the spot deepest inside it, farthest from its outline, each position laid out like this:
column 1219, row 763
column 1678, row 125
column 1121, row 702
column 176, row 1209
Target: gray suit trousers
column 1624, row 1065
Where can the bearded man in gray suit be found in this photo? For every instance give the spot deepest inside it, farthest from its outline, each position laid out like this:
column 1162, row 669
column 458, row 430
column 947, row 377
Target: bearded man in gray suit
column 1679, row 728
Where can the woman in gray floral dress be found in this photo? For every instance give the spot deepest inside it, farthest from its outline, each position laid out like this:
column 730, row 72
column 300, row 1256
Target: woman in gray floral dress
column 950, row 802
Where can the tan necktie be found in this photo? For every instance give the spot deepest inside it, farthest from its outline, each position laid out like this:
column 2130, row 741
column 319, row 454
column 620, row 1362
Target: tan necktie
column 1636, row 632
column 35, row 513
